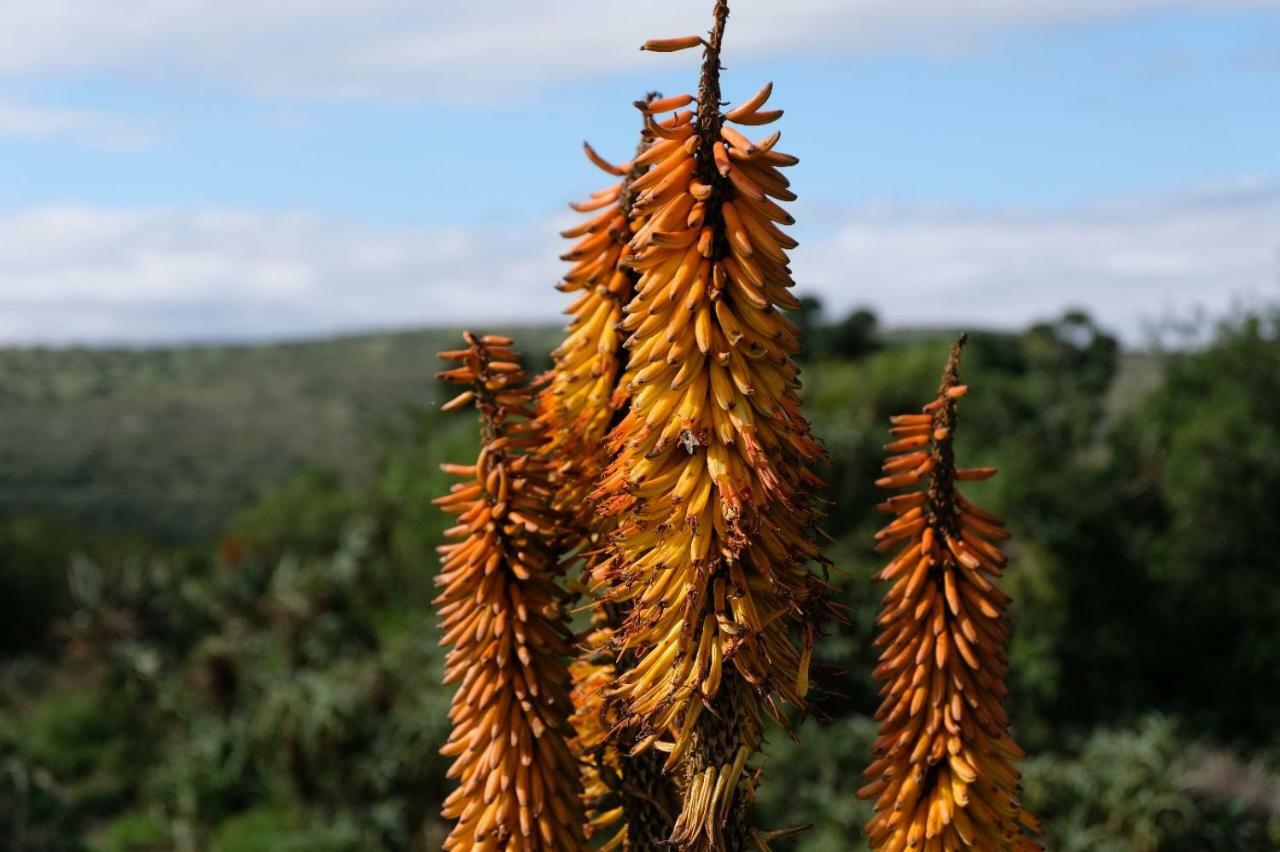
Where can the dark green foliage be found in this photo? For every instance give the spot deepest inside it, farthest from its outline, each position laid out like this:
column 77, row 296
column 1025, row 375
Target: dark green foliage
column 851, row 338
column 1148, row 788
column 1152, row 789
column 409, row 478
column 33, row 551
column 34, row 813
column 1203, row 475
column 304, row 515
column 203, row 689
column 813, row 780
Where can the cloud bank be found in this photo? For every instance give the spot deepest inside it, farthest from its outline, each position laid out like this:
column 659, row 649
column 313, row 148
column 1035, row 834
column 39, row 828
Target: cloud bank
column 87, row 128
column 497, row 49
column 95, row 275
column 1128, row 263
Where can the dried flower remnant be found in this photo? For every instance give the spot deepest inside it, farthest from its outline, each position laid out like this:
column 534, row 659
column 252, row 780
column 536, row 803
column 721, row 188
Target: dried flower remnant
column 503, row 615
column 709, row 478
column 942, row 774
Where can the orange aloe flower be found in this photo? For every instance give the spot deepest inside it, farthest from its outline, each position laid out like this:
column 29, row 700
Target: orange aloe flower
column 583, row 395
column 503, row 615
column 709, row 482
column 942, row 774
column 628, row 802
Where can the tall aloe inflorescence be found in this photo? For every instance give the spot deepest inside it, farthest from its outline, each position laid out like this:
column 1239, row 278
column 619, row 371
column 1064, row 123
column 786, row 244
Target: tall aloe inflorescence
column 583, row 396
column 628, row 801
column 503, row 614
column 942, row 774
column 708, row 485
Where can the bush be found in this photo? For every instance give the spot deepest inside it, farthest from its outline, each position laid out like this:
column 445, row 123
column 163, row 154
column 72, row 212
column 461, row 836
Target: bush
column 1137, row 790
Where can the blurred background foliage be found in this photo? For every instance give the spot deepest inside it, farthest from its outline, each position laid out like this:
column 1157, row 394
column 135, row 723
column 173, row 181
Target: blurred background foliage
column 216, row 566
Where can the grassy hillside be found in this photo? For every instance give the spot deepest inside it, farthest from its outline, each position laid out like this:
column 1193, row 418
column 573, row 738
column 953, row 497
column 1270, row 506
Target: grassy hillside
column 171, row 442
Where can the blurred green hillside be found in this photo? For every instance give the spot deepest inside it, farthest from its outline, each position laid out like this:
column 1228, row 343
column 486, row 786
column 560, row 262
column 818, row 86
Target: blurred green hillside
column 173, row 442
column 216, row 563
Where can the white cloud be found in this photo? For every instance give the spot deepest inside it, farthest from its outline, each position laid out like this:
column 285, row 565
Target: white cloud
column 109, row 275
column 1127, row 263
column 83, row 127
column 92, row 275
column 434, row 49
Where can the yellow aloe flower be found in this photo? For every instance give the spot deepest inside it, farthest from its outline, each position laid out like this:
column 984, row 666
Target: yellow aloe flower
column 709, row 483
column 629, row 803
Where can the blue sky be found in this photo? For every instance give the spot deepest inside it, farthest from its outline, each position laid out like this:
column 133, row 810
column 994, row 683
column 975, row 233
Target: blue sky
column 205, row 171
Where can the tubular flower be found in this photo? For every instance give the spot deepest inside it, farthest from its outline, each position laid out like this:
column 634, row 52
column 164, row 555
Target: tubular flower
column 942, row 773
column 583, row 395
column 503, row 614
column 709, row 481
column 601, row 761
column 628, row 801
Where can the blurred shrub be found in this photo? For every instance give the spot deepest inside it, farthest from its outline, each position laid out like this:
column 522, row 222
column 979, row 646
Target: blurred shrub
column 305, row 515
column 1142, row 790
column 35, row 548
column 33, row 551
column 409, row 478
column 258, row 830
column 1200, row 461
column 90, row 741
column 850, row 338
column 132, row 832
column 812, row 780
column 202, row 690
column 34, row 813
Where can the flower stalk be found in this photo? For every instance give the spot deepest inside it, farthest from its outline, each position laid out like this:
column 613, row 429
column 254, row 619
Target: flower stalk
column 709, row 478
column 942, row 774
column 504, row 616
column 629, row 803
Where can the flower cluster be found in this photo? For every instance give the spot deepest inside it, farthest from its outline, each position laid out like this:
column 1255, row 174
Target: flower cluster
column 666, row 455
column 629, row 801
column 942, row 775
column 709, row 477
column 502, row 612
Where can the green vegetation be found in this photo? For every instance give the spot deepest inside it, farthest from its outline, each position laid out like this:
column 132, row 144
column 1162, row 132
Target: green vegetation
column 215, row 574
column 174, row 442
